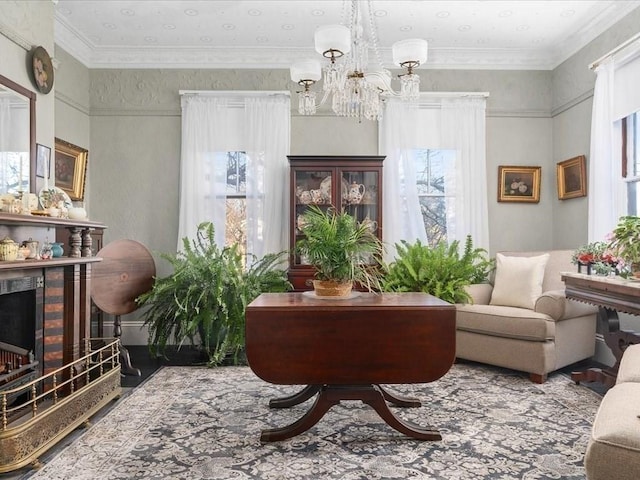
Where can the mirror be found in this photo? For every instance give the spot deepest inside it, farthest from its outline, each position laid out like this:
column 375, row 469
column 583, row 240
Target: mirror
column 17, row 138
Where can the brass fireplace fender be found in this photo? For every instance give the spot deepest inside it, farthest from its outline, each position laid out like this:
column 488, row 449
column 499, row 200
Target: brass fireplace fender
column 25, row 442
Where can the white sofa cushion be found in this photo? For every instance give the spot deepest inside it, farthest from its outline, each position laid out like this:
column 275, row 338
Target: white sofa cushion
column 518, row 280
column 629, row 370
column 508, row 322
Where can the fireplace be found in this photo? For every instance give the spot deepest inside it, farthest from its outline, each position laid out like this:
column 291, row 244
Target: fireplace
column 21, row 329
column 45, row 314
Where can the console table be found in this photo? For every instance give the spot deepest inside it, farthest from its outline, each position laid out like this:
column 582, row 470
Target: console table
column 611, row 295
column 345, row 349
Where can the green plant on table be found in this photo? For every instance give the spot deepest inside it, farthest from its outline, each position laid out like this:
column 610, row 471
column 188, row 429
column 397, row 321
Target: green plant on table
column 341, row 249
column 590, row 253
column 625, row 242
column 204, row 300
column 440, row 271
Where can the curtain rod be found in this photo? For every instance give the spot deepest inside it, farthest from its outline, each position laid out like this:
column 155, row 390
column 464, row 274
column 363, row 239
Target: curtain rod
column 244, row 93
column 620, row 47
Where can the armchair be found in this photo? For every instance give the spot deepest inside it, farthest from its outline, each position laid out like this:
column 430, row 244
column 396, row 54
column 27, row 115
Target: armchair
column 537, row 332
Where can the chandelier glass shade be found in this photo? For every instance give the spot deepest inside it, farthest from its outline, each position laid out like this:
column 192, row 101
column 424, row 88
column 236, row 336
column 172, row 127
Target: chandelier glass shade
column 356, row 86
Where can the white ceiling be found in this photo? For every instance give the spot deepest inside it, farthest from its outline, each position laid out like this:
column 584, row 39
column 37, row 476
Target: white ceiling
column 505, row 34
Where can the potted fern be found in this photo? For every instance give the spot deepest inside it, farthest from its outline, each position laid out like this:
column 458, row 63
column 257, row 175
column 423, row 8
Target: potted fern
column 203, row 301
column 440, row 271
column 342, row 251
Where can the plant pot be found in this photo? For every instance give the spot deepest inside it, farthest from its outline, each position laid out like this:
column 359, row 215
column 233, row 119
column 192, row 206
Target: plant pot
column 326, row 288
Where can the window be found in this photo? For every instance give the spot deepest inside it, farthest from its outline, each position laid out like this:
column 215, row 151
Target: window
column 236, row 200
column 631, row 161
column 432, row 169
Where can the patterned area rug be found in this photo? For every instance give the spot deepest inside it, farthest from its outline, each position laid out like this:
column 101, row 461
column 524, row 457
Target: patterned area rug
column 199, row 424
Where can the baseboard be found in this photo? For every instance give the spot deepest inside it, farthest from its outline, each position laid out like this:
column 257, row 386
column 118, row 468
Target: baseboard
column 134, row 333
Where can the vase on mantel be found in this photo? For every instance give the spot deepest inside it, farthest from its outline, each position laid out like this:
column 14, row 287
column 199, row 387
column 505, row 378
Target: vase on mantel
column 56, row 249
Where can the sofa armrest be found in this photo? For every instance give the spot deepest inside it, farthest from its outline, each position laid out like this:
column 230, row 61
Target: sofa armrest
column 480, row 293
column 557, row 306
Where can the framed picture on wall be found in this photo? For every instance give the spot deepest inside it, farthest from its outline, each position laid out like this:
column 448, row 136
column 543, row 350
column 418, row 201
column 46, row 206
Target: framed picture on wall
column 70, row 169
column 43, row 161
column 518, row 184
column 572, row 178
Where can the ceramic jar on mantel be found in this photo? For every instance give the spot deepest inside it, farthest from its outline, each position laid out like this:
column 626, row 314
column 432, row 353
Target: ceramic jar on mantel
column 8, row 250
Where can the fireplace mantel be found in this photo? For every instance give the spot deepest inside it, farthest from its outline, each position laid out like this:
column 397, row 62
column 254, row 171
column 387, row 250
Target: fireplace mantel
column 21, row 227
column 41, row 221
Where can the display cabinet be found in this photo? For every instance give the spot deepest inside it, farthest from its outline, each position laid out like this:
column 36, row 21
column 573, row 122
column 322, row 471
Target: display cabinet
column 350, row 183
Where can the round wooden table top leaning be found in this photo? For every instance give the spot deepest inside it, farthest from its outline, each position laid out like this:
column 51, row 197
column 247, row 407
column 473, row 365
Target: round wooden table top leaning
column 345, row 350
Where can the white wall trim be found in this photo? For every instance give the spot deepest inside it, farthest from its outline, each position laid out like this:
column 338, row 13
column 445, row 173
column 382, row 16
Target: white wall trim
column 14, row 36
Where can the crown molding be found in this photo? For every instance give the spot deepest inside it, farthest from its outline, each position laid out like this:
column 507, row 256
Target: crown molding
column 14, row 36
column 607, row 18
column 282, row 58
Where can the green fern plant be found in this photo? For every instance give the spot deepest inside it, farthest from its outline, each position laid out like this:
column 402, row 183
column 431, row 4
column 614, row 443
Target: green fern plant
column 205, row 298
column 440, row 271
column 340, row 248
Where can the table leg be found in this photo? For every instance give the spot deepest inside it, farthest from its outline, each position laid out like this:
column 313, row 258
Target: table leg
column 399, row 400
column 302, row 396
column 321, row 406
column 330, row 395
column 617, row 340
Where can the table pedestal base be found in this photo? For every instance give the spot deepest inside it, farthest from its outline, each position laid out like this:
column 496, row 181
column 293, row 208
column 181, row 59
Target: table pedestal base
column 329, row 395
column 617, row 340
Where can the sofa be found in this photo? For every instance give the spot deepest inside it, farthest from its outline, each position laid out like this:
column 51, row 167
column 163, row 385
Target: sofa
column 613, row 451
column 522, row 320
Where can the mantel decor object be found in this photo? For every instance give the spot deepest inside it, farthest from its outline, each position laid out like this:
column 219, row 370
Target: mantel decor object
column 71, row 168
column 42, row 70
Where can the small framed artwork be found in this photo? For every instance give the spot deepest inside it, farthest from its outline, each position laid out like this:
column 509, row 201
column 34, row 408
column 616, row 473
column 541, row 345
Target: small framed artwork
column 43, row 161
column 518, row 184
column 70, row 169
column 572, row 178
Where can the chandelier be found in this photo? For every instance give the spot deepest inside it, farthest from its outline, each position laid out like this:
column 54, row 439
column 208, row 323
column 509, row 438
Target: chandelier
column 356, row 87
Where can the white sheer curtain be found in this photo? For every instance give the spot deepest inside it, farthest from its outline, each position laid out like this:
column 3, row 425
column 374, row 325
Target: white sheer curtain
column 268, row 129
column 606, row 190
column 453, row 122
column 207, row 123
column 214, row 123
column 400, row 207
column 464, row 130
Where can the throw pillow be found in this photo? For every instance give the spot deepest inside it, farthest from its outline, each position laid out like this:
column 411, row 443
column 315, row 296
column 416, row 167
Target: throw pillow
column 518, row 280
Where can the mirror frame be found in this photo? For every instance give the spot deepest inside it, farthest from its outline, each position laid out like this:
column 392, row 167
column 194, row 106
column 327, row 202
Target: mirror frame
column 25, row 92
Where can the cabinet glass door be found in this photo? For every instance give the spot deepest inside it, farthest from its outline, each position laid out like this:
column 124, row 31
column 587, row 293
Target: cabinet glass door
column 359, row 196
column 311, row 188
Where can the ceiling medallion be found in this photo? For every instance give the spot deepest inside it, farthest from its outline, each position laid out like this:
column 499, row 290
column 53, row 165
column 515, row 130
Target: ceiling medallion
column 42, row 70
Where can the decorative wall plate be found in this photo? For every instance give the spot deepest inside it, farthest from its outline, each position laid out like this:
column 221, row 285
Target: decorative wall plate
column 42, row 70
column 58, row 195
